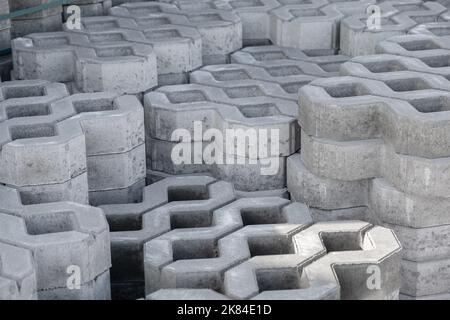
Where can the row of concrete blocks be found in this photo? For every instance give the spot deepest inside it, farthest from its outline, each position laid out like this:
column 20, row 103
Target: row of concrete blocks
column 133, row 54
column 256, row 94
column 377, row 139
column 82, row 148
column 52, row 251
column 190, row 235
column 322, row 24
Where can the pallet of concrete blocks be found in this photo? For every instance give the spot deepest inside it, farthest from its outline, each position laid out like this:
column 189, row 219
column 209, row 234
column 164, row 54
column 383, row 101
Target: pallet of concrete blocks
column 113, row 126
column 178, row 49
column 221, row 30
column 270, row 256
column 245, row 132
column 178, row 202
column 287, row 61
column 125, row 67
column 65, row 239
column 46, row 19
column 17, row 273
column 41, row 157
column 402, row 144
column 360, row 33
column 87, row 8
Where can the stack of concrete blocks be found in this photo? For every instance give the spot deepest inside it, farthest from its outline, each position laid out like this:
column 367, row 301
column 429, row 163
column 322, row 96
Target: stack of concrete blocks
column 221, row 30
column 115, row 148
column 84, row 64
column 5, row 42
column 178, row 48
column 59, row 240
column 258, row 93
column 422, row 221
column 376, row 139
column 397, row 18
column 17, row 273
column 266, row 248
column 47, row 19
column 41, row 155
column 88, row 8
column 133, row 224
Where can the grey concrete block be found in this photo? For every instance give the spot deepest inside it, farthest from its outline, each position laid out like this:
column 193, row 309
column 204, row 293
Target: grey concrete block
column 17, row 273
column 221, row 30
column 178, row 48
column 186, row 294
column 125, row 67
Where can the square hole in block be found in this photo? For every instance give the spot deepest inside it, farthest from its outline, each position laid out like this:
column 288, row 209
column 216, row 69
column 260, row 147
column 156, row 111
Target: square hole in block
column 347, row 90
column 49, row 223
column 440, row 61
column 278, row 279
column 54, row 41
column 32, row 131
column 259, row 110
column 341, row 241
column 186, row 96
column 384, row 66
column 229, row 75
column 254, row 216
column 295, row 2
column 282, row 71
column 418, row 45
column 270, row 245
column 412, row 84
column 329, row 66
column 194, row 249
column 28, row 110
column 428, row 105
column 244, row 92
column 162, row 34
column 144, row 10
column 409, row 7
